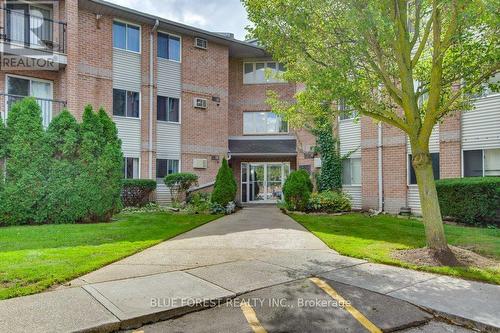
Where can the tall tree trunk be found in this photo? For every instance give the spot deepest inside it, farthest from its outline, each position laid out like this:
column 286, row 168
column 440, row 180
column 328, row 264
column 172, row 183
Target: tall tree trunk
column 433, row 222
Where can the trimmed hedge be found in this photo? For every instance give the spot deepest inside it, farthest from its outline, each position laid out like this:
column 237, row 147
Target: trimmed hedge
column 297, row 190
column 329, row 202
column 225, row 186
column 474, row 200
column 137, row 192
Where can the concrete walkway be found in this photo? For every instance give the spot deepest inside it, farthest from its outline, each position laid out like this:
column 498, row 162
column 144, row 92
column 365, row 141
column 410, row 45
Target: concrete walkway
column 255, row 248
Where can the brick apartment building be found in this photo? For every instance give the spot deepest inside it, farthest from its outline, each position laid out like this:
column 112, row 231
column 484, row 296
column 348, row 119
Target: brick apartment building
column 184, row 98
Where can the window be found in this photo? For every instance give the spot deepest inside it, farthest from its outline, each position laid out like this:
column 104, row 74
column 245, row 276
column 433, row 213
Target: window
column 166, row 167
column 263, row 123
column 351, row 171
column 412, row 179
column 125, row 103
column 169, row 47
column 168, row 109
column 480, row 163
column 346, row 111
column 131, row 167
column 262, row 72
column 126, row 36
column 41, row 90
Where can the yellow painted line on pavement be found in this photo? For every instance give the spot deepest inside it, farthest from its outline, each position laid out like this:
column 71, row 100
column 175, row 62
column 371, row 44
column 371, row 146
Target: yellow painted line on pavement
column 251, row 317
column 371, row 327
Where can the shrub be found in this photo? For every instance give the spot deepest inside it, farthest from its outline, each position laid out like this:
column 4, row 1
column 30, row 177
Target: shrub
column 137, row 192
column 179, row 183
column 297, row 190
column 474, row 200
column 198, row 203
column 329, row 202
column 70, row 173
column 225, row 186
column 23, row 195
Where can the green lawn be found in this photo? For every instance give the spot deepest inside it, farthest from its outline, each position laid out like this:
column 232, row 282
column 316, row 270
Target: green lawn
column 374, row 238
column 33, row 258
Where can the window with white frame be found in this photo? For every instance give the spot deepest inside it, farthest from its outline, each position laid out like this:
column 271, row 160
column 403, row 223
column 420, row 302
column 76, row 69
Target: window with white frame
column 126, row 36
column 166, row 167
column 169, row 47
column 126, row 103
column 412, row 177
column 263, row 72
column 168, row 109
column 351, row 171
column 482, row 162
column 131, row 167
column 263, row 123
column 19, row 87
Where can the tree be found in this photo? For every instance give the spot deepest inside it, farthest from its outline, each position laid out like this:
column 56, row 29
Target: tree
column 179, row 183
column 297, row 190
column 408, row 64
column 225, row 186
column 24, row 191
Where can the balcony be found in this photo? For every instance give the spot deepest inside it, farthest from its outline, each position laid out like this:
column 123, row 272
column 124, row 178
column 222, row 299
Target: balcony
column 31, row 32
column 49, row 107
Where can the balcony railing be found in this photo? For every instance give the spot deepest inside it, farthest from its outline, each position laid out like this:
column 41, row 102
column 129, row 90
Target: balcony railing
column 24, row 27
column 49, row 107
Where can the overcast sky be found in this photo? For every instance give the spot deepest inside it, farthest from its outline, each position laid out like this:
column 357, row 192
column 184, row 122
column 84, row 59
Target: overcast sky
column 212, row 15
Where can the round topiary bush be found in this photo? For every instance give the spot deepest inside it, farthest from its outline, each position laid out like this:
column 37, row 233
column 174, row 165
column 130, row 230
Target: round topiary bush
column 225, row 186
column 297, row 190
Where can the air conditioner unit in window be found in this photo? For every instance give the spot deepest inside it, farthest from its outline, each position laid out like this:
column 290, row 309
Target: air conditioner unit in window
column 317, row 162
column 200, row 163
column 200, row 103
column 200, row 43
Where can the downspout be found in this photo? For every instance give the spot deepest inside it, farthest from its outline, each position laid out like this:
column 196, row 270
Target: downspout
column 151, row 96
column 379, row 170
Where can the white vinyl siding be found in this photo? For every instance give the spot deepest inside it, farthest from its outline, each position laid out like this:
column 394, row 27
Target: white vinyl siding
column 126, row 70
column 169, row 78
column 481, row 126
column 355, row 193
column 350, row 140
column 168, row 138
column 129, row 131
column 414, row 200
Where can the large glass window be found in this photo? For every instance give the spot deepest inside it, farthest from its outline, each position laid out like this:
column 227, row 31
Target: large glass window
column 346, row 111
column 166, row 167
column 351, row 171
column 435, row 168
column 262, row 72
column 125, row 103
column 263, row 123
column 479, row 163
column 131, row 167
column 169, row 47
column 168, row 109
column 126, row 36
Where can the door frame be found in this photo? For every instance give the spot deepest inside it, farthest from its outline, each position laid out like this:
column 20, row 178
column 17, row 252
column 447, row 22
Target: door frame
column 246, row 182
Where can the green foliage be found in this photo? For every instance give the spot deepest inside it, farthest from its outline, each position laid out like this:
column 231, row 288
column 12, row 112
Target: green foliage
column 225, row 186
column 329, row 202
column 198, row 202
column 474, row 200
column 69, row 173
column 179, row 183
column 330, row 176
column 23, row 195
column 137, row 192
column 3, row 140
column 297, row 190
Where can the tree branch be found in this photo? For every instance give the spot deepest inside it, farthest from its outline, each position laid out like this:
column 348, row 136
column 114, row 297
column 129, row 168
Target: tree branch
column 423, row 42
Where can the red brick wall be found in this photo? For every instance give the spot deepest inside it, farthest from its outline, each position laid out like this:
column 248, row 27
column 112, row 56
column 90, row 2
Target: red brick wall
column 450, row 153
column 204, row 132
column 369, row 163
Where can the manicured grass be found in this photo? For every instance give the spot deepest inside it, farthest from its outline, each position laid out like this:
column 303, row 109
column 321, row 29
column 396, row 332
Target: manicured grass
column 374, row 238
column 33, row 258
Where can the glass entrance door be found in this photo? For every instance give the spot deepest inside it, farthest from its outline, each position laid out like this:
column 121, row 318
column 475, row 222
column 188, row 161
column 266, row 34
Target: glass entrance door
column 263, row 182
